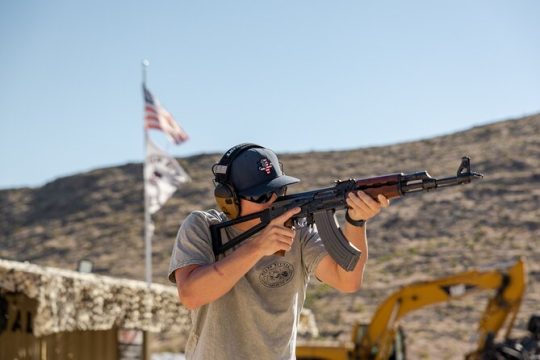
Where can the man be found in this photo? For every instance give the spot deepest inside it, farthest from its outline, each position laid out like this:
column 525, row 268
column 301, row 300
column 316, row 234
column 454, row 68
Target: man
column 246, row 304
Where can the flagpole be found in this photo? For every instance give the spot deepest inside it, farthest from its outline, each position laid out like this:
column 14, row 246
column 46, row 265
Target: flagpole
column 147, row 217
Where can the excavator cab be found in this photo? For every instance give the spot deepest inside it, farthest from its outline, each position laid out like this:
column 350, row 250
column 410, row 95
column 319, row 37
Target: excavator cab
column 524, row 348
column 397, row 351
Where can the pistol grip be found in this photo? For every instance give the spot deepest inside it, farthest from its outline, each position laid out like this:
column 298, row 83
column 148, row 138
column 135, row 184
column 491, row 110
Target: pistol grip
column 289, row 223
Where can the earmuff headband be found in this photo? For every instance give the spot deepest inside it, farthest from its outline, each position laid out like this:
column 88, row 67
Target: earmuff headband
column 221, row 169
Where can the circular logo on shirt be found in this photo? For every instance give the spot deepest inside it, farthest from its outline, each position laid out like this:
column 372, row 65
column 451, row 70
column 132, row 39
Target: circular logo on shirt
column 277, row 274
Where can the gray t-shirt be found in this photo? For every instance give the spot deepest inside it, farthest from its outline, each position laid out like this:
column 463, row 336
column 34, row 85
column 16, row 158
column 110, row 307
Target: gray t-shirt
column 258, row 317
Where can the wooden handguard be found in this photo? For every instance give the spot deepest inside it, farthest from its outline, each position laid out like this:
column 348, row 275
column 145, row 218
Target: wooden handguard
column 387, row 185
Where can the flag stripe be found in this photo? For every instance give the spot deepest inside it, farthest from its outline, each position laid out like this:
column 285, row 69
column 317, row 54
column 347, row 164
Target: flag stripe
column 152, row 118
column 157, row 117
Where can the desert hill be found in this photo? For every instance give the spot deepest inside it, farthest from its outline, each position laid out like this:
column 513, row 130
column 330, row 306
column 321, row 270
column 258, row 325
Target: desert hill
column 98, row 215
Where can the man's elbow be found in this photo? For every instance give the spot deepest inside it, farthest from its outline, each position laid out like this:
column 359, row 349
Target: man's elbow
column 350, row 287
column 189, row 304
column 188, row 300
column 186, row 292
column 187, row 296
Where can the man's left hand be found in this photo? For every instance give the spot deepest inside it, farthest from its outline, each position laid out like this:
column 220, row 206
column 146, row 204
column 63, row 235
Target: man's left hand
column 364, row 207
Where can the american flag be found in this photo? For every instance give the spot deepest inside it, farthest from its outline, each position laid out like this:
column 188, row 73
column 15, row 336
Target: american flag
column 266, row 166
column 157, row 117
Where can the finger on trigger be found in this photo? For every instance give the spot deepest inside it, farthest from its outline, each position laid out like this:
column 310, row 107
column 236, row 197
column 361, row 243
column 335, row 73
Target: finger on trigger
column 287, row 215
column 296, row 210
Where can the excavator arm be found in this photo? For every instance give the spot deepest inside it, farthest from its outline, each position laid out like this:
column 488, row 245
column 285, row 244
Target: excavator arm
column 381, row 337
column 507, row 281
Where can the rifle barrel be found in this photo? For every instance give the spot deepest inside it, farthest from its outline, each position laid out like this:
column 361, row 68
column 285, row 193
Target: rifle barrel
column 430, row 183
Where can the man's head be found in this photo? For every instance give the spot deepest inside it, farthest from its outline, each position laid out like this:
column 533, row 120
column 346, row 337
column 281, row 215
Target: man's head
column 250, row 172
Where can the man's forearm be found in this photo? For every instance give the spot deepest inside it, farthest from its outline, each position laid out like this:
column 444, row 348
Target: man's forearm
column 200, row 285
column 352, row 280
column 208, row 283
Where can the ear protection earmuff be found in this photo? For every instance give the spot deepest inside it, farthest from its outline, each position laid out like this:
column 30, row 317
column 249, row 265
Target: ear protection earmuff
column 226, row 197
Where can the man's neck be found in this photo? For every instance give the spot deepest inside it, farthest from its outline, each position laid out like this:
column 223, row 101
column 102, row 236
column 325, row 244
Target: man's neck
column 249, row 208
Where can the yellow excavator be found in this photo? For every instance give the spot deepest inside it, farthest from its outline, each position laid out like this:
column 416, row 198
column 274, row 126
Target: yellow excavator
column 382, row 338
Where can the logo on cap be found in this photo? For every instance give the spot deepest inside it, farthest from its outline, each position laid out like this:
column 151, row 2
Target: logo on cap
column 266, row 166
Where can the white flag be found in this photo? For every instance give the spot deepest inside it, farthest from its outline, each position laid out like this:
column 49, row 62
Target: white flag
column 162, row 176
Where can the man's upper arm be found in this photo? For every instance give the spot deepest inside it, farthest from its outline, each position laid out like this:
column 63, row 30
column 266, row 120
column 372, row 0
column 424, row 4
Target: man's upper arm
column 327, row 272
column 313, row 250
column 192, row 245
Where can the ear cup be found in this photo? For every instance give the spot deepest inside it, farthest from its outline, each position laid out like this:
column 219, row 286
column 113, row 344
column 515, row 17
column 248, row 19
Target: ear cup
column 225, row 195
column 227, row 200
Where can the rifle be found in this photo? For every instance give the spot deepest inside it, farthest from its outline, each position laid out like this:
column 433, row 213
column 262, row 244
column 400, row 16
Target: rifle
column 318, row 207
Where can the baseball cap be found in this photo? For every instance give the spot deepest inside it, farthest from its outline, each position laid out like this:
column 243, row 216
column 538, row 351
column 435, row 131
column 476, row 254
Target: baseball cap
column 256, row 171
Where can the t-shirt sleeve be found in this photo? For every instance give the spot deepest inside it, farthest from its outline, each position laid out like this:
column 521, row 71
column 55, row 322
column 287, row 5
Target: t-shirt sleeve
column 312, row 249
column 193, row 243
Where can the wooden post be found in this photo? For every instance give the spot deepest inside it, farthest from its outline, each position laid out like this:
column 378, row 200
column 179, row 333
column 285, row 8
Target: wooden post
column 146, row 346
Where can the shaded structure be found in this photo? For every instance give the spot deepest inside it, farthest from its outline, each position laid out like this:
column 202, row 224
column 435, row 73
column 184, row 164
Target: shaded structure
column 50, row 313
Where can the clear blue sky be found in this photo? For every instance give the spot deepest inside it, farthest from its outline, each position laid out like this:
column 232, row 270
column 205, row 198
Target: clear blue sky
column 291, row 75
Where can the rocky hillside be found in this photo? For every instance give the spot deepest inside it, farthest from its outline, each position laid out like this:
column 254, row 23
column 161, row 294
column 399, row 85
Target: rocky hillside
column 98, row 215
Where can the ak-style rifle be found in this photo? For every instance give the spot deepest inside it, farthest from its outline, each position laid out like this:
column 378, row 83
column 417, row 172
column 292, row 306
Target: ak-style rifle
column 318, row 207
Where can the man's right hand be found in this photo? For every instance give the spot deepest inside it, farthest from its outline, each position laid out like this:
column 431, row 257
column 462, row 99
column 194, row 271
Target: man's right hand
column 276, row 236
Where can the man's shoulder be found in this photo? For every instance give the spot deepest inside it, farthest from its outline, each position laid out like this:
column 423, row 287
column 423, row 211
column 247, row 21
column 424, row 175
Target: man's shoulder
column 204, row 218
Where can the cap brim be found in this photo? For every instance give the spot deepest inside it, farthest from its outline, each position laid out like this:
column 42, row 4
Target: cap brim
column 274, row 184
